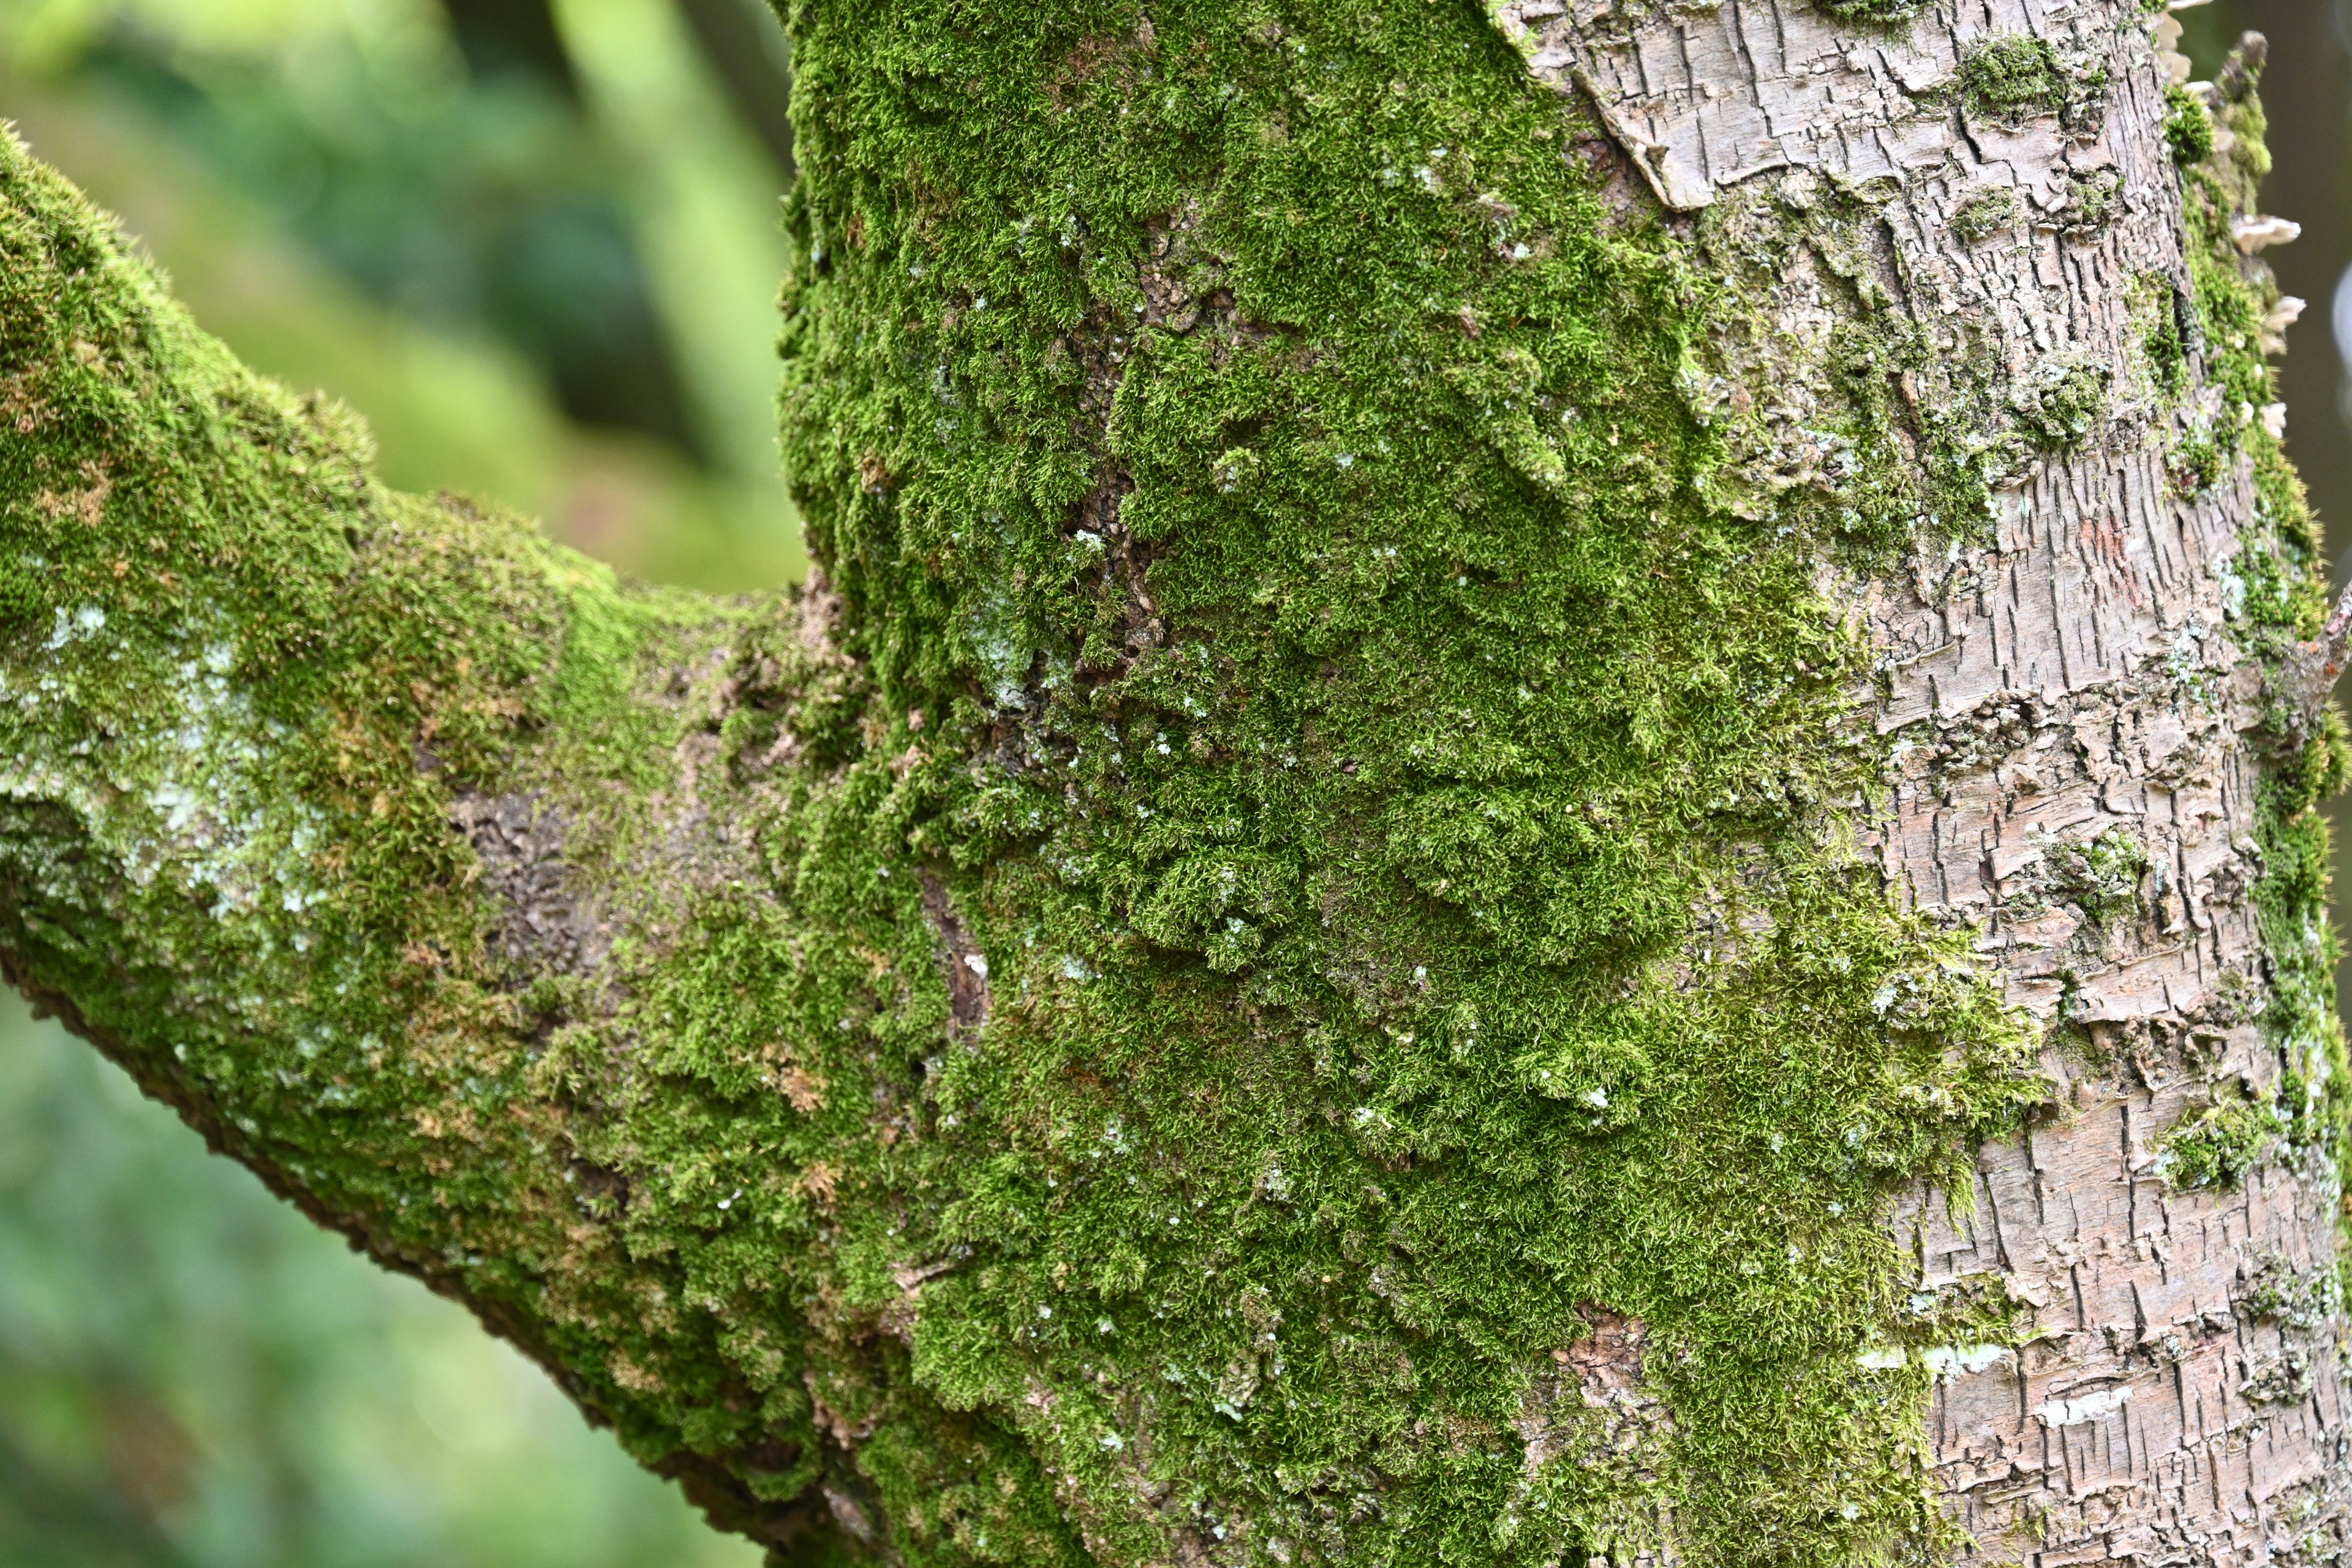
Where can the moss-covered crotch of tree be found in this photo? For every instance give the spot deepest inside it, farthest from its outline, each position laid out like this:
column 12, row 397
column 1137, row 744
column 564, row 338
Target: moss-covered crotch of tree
column 1290, row 954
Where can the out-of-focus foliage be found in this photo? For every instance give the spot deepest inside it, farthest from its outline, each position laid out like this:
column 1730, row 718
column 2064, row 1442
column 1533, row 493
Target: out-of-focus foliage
column 558, row 294
column 191, row 1375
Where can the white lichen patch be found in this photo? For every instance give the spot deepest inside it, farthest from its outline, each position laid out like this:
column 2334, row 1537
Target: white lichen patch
column 188, row 794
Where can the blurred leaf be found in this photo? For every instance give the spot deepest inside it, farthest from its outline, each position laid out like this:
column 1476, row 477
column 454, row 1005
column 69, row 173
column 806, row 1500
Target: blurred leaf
column 191, row 1374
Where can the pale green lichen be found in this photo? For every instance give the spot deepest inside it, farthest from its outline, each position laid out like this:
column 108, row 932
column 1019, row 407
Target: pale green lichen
column 2276, row 1291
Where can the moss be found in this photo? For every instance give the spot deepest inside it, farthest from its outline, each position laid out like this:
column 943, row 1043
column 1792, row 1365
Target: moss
column 2216, row 1148
column 2060, row 403
column 2010, row 81
column 2162, row 314
column 2188, row 129
column 233, row 739
column 2280, row 586
column 2093, row 198
column 1985, row 213
column 1886, row 13
column 2277, row 1292
column 21, row 598
column 1355, row 795
column 2103, row 877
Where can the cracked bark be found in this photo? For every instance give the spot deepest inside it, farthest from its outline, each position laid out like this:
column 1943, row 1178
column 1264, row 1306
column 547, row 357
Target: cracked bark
column 2033, row 687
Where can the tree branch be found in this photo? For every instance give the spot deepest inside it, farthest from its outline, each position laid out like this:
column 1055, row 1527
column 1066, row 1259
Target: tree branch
column 346, row 822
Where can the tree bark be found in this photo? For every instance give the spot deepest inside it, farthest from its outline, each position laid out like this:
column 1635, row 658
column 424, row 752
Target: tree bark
column 1549, row 798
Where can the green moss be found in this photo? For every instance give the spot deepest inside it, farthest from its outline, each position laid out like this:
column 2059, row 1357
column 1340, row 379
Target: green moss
column 2188, row 128
column 2014, row 79
column 2219, row 1146
column 21, row 598
column 2161, row 313
column 1398, row 839
column 1336, row 869
column 234, row 739
column 2103, row 877
column 2060, row 403
column 2280, row 586
column 1884, row 12
column 1985, row 213
column 2093, row 198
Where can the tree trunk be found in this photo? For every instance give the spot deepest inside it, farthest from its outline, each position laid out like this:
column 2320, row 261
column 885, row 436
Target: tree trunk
column 1549, row 799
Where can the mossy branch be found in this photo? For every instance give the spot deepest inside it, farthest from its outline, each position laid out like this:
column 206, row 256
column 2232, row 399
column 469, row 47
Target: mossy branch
column 315, row 798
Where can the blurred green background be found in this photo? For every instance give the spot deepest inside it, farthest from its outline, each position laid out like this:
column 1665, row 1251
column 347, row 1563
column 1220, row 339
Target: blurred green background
column 534, row 241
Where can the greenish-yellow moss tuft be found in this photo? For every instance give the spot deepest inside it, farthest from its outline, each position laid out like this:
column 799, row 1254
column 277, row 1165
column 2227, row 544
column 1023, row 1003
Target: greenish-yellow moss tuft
column 2014, row 79
column 2188, row 129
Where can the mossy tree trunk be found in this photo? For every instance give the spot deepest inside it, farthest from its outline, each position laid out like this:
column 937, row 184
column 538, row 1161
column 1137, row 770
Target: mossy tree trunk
column 1549, row 800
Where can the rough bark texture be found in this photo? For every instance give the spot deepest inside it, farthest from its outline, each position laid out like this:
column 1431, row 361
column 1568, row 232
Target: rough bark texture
column 2079, row 674
column 1551, row 800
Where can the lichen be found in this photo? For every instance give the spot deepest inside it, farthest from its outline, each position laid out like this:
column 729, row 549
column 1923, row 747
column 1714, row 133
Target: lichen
column 2277, row 1292
column 2104, row 877
column 1867, row 439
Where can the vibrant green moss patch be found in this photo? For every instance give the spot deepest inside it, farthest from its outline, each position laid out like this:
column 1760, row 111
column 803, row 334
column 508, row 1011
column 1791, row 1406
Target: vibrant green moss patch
column 2279, row 595
column 1350, row 794
column 2010, row 81
column 2188, row 129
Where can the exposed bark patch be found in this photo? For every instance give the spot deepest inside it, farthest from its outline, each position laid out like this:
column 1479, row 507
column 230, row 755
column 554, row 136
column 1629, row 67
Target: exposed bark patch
column 789, row 1528
column 961, row 964
column 1597, row 1403
column 1607, row 1364
column 547, row 924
